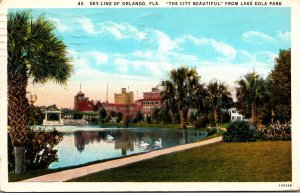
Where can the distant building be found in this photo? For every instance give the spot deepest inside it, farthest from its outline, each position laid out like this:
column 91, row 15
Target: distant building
column 234, row 115
column 150, row 101
column 124, row 97
column 82, row 103
column 128, row 110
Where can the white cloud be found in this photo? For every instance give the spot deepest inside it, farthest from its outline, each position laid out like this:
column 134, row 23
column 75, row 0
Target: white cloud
column 286, row 36
column 59, row 25
column 165, row 43
column 122, row 65
column 225, row 49
column 254, row 36
column 146, row 54
column 87, row 25
column 100, row 57
column 265, row 57
column 119, row 30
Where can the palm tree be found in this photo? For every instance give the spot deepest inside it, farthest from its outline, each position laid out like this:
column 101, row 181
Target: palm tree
column 250, row 93
column 33, row 52
column 218, row 96
column 168, row 97
column 181, row 91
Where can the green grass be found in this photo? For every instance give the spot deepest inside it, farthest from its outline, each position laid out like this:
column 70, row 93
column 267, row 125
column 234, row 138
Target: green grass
column 267, row 161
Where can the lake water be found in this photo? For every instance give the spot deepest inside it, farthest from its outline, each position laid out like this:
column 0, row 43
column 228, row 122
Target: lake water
column 83, row 144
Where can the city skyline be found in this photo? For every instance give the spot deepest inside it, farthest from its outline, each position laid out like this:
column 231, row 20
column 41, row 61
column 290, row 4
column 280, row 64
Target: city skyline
column 138, row 47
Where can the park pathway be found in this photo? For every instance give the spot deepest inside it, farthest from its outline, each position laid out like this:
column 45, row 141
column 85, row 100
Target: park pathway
column 82, row 171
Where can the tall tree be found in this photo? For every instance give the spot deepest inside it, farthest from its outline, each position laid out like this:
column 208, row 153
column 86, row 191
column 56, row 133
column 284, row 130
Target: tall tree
column 280, row 78
column 251, row 92
column 168, row 98
column 218, row 97
column 33, row 52
column 181, row 91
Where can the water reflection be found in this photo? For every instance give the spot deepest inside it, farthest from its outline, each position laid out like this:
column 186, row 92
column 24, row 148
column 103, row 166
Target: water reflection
column 81, row 138
column 90, row 144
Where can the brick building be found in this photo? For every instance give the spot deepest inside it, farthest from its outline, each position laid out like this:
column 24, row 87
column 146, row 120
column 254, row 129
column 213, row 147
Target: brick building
column 82, row 103
column 150, row 101
column 128, row 110
column 123, row 103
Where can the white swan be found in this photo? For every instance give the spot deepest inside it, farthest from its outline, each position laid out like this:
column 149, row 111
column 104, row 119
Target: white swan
column 144, row 145
column 158, row 143
column 109, row 138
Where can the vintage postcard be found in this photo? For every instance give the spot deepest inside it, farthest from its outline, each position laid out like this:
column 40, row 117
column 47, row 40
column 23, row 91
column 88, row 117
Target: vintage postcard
column 169, row 95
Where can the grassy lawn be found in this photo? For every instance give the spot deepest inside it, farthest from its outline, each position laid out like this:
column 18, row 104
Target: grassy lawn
column 267, row 161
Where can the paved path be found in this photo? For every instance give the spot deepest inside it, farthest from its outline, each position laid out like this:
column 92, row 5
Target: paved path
column 82, row 171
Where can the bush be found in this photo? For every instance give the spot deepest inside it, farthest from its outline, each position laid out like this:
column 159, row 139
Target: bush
column 212, row 131
column 40, row 149
column 241, row 131
column 208, row 131
column 224, row 117
column 126, row 121
column 277, row 132
column 192, row 117
column 107, row 118
column 201, row 122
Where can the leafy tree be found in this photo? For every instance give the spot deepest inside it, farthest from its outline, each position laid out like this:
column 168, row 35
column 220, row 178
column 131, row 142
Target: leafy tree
column 113, row 114
column 77, row 115
column 107, row 118
column 181, row 92
column 168, row 101
column 280, row 79
column 148, row 119
column 36, row 115
column 193, row 117
column 102, row 115
column 251, row 93
column 119, row 117
column 52, row 107
column 33, row 52
column 156, row 115
column 218, row 97
column 139, row 117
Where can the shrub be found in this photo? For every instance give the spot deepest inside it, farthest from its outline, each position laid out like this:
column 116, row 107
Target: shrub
column 241, row 131
column 40, row 149
column 208, row 131
column 107, row 118
column 277, row 132
column 224, row 117
column 201, row 122
column 192, row 117
column 212, row 131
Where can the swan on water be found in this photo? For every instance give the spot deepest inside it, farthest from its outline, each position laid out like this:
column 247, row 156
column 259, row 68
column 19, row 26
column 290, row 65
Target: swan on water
column 158, row 143
column 109, row 138
column 144, row 145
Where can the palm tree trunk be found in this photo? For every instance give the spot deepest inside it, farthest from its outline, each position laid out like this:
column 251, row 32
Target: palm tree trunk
column 254, row 114
column 18, row 109
column 216, row 117
column 184, row 118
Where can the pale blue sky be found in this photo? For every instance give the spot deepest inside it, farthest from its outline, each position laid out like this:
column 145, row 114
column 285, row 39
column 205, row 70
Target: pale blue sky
column 137, row 47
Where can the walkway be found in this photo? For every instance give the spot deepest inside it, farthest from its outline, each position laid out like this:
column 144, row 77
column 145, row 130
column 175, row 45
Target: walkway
column 82, row 171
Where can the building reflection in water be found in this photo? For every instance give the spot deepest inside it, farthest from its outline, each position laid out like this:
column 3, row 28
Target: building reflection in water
column 82, row 138
column 125, row 141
